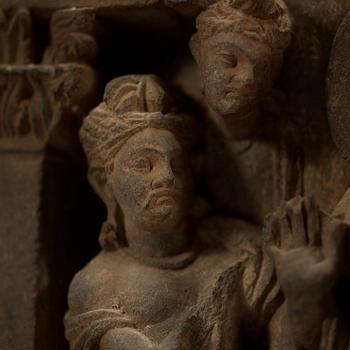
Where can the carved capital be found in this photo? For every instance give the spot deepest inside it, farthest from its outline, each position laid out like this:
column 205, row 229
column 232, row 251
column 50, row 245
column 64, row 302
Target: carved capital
column 15, row 37
column 39, row 101
column 72, row 37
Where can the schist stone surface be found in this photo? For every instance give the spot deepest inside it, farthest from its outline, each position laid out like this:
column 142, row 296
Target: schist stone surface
column 174, row 175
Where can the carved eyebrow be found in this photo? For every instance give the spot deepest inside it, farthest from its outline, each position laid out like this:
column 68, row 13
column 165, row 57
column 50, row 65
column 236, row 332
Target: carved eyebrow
column 233, row 47
column 141, row 151
column 153, row 150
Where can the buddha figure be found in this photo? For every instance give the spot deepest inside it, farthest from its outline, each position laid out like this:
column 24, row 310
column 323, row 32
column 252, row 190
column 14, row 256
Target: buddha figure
column 163, row 280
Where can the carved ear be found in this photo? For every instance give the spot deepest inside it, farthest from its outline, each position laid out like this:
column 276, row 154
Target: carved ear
column 108, row 236
column 98, row 181
column 195, row 47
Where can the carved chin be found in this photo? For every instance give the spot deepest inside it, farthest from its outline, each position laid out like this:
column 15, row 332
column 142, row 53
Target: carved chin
column 162, row 212
column 231, row 105
column 228, row 108
column 167, row 215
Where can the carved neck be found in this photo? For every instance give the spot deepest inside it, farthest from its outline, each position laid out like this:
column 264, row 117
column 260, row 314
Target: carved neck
column 156, row 244
column 242, row 125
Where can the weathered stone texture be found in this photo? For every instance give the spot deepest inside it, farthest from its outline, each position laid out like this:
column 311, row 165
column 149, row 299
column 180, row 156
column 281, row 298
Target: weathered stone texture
column 21, row 269
column 56, row 58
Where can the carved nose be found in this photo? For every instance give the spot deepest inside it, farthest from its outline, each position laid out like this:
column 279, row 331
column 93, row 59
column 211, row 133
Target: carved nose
column 248, row 78
column 165, row 179
column 249, row 81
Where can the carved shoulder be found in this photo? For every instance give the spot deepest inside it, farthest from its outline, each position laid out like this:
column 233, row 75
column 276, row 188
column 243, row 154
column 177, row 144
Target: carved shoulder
column 230, row 233
column 86, row 286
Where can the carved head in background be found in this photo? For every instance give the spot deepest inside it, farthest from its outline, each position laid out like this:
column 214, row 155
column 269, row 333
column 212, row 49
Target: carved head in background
column 239, row 48
column 136, row 143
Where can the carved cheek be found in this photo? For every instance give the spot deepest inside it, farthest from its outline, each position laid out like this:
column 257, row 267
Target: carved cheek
column 246, row 74
column 132, row 189
column 139, row 188
column 215, row 85
column 213, row 73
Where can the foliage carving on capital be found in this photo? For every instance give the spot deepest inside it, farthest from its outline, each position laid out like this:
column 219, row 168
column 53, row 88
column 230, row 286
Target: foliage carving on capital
column 15, row 37
column 72, row 37
column 35, row 99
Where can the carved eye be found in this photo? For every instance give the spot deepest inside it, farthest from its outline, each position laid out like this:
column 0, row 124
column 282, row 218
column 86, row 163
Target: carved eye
column 141, row 164
column 229, row 60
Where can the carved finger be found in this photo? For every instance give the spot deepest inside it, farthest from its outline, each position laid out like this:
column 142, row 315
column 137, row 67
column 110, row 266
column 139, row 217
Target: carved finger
column 274, row 253
column 270, row 231
column 285, row 232
column 296, row 212
column 313, row 222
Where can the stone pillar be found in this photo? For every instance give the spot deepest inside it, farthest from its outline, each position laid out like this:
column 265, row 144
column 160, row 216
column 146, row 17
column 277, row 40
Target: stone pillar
column 41, row 106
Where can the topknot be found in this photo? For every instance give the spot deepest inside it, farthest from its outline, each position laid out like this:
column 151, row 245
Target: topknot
column 131, row 103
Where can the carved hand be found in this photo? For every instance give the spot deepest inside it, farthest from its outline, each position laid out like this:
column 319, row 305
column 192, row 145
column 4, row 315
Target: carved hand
column 306, row 248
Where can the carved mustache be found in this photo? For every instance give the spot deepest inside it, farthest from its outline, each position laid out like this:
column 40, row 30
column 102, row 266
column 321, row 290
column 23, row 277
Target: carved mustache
column 172, row 193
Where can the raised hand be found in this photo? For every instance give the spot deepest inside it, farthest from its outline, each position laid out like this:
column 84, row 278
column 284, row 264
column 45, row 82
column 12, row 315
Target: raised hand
column 306, row 247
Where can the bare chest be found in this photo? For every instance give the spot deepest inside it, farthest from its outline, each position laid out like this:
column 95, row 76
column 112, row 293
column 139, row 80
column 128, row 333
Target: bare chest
column 150, row 295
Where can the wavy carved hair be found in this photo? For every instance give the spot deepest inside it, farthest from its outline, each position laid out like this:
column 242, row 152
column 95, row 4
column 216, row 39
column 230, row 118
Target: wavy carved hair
column 266, row 21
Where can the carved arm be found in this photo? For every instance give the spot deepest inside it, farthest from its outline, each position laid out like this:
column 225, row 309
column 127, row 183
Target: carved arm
column 306, row 248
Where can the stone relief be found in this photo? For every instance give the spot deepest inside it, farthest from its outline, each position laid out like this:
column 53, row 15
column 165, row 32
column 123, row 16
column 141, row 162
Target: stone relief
column 163, row 281
column 227, row 203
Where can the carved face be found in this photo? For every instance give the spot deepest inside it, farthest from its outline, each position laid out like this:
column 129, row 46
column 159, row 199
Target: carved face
column 151, row 181
column 236, row 72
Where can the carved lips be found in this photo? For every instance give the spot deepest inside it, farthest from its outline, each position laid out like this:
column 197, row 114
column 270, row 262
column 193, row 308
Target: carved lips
column 163, row 197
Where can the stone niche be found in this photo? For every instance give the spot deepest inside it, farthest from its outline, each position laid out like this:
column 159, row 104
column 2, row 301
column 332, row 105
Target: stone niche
column 256, row 165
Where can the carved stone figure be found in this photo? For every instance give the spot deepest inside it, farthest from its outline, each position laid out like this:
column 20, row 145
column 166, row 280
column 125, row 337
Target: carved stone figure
column 166, row 291
column 239, row 48
column 187, row 261
column 164, row 282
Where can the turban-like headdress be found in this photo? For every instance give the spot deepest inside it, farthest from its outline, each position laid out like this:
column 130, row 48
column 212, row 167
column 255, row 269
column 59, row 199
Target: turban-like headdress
column 131, row 103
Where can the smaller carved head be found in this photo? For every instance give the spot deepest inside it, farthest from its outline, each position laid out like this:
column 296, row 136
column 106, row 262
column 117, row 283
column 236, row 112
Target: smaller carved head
column 239, row 47
column 136, row 143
